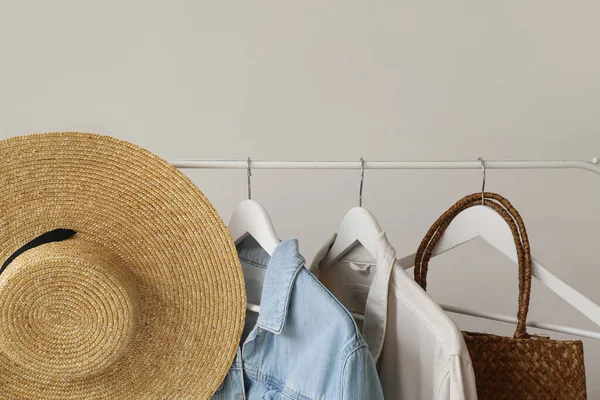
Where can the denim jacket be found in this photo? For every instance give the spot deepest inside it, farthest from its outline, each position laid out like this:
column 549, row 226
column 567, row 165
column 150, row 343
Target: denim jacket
column 304, row 344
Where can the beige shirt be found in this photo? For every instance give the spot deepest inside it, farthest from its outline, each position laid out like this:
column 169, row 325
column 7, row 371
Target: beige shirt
column 420, row 352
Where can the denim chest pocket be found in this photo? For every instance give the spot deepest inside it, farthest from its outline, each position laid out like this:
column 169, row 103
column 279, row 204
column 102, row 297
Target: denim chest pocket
column 272, row 395
column 265, row 391
column 279, row 394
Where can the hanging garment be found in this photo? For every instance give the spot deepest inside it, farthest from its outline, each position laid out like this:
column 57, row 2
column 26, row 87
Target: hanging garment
column 303, row 344
column 420, row 352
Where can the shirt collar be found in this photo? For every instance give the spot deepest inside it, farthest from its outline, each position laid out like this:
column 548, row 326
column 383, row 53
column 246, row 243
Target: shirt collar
column 281, row 273
column 385, row 253
column 376, row 308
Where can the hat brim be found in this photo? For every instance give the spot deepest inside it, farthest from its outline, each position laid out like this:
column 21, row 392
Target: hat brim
column 189, row 281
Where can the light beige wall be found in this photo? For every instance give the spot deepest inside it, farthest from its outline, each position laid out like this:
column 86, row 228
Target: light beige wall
column 399, row 80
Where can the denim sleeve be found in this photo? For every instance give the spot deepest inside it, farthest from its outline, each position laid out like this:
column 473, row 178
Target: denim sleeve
column 359, row 376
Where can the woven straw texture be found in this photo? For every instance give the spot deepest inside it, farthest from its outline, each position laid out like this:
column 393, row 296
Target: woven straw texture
column 525, row 366
column 146, row 301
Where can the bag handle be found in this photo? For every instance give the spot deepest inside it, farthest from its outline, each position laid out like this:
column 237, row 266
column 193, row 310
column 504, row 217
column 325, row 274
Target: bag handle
column 512, row 217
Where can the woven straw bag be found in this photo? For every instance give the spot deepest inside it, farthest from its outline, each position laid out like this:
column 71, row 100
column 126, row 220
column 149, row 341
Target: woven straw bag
column 524, row 366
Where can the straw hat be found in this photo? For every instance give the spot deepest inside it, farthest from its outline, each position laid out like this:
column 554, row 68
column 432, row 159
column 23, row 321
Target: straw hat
column 144, row 300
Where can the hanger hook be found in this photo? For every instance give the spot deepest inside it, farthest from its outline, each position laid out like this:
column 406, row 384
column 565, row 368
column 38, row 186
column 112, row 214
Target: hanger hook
column 483, row 183
column 249, row 182
column 362, row 181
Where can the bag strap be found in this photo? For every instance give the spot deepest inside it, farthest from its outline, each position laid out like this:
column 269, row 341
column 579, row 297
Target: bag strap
column 512, row 217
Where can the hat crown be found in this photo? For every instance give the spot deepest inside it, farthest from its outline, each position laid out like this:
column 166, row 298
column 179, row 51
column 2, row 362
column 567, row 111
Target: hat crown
column 70, row 309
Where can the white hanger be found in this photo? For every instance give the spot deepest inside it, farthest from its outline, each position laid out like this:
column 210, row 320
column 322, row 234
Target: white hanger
column 358, row 226
column 483, row 222
column 251, row 218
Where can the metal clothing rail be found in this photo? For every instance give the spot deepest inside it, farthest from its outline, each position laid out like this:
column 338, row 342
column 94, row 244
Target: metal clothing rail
column 592, row 166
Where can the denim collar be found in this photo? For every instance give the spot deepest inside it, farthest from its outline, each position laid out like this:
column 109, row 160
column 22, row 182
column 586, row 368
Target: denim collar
column 282, row 269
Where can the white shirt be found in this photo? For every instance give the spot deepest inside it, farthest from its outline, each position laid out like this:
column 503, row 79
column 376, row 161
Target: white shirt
column 420, row 352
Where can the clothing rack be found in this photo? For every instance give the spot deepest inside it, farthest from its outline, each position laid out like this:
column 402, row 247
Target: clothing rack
column 591, row 166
